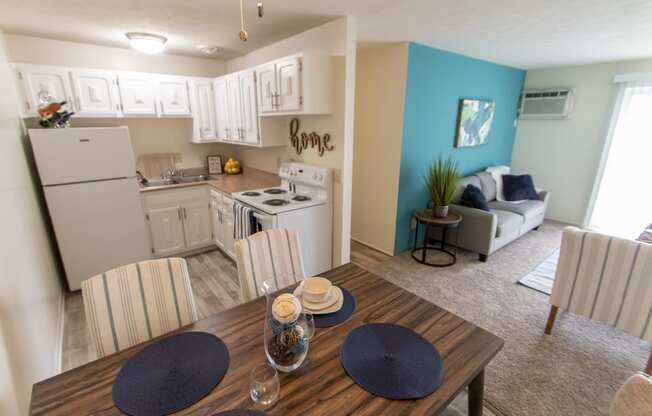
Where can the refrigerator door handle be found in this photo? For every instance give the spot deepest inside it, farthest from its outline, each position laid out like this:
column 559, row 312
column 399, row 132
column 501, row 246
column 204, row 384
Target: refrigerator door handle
column 179, row 213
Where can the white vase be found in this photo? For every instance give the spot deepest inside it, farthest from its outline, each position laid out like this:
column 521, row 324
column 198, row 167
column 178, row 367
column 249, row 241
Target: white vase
column 441, row 212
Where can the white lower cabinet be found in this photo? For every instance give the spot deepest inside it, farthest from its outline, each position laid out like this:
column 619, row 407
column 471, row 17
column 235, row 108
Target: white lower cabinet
column 166, row 230
column 222, row 213
column 179, row 220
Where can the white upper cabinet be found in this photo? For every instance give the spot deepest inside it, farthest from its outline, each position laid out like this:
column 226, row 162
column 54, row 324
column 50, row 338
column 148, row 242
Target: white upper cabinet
column 288, row 77
column 267, row 88
column 138, row 93
column 173, row 96
column 234, row 107
column 43, row 84
column 203, row 109
column 299, row 84
column 249, row 107
column 222, row 130
column 96, row 93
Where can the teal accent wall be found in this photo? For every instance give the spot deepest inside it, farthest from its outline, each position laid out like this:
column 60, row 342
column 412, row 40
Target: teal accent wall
column 436, row 80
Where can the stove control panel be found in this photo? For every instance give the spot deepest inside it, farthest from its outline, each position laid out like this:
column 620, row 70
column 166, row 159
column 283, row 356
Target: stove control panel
column 307, row 174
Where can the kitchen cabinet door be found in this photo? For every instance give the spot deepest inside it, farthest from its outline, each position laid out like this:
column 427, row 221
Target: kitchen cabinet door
column 96, row 93
column 173, row 97
column 216, row 217
column 234, row 107
column 203, row 111
column 266, row 88
column 228, row 227
column 166, row 230
column 222, row 129
column 42, row 85
column 197, row 224
column 138, row 94
column 288, row 74
column 249, row 107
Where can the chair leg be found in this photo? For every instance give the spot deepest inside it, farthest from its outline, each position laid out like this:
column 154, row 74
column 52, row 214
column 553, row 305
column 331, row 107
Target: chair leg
column 551, row 319
column 648, row 367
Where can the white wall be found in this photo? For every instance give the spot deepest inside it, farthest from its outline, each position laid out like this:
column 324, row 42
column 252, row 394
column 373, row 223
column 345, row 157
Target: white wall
column 563, row 155
column 30, row 294
column 149, row 135
column 380, row 101
column 332, row 38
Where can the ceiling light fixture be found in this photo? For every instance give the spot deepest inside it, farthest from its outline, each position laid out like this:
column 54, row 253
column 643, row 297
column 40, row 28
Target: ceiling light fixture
column 210, row 50
column 146, row 42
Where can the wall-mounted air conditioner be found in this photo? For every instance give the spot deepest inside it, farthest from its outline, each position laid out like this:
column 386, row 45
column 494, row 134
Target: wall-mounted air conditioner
column 546, row 104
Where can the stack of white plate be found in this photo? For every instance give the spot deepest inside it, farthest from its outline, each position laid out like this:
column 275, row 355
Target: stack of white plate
column 319, row 296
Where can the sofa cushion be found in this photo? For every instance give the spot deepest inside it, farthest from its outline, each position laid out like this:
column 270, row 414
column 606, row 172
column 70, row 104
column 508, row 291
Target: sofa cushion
column 519, row 188
column 508, row 222
column 463, row 183
column 528, row 209
column 474, row 198
column 488, row 185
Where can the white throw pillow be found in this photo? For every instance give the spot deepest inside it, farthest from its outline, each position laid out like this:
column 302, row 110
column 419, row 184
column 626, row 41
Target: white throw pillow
column 497, row 173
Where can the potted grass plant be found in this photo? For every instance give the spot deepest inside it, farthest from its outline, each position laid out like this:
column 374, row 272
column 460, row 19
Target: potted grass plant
column 442, row 178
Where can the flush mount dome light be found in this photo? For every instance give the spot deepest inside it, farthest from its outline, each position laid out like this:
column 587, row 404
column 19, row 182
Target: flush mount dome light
column 146, row 42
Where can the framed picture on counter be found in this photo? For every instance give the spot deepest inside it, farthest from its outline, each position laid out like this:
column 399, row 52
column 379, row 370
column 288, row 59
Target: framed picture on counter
column 214, row 164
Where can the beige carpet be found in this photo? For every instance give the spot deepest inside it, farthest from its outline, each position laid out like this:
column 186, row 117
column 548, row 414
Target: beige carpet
column 576, row 371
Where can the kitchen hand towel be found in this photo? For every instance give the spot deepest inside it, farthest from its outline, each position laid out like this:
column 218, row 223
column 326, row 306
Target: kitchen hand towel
column 245, row 223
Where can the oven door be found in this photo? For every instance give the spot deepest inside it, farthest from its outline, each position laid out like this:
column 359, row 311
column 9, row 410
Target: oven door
column 266, row 221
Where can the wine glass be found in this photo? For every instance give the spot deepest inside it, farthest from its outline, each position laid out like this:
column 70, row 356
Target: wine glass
column 307, row 322
column 265, row 386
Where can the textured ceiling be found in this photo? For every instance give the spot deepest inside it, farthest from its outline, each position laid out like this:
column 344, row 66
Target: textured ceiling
column 187, row 24
column 521, row 33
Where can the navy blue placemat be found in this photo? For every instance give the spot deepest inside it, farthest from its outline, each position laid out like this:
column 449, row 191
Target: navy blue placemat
column 171, row 374
column 392, row 361
column 241, row 412
column 336, row 318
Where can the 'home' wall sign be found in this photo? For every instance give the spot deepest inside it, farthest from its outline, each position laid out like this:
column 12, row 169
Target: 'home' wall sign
column 302, row 141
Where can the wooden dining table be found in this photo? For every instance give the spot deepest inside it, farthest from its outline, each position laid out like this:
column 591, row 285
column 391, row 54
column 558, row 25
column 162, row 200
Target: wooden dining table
column 320, row 386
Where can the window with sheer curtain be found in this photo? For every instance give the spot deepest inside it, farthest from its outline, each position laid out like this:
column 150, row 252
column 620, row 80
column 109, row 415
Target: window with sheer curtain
column 623, row 196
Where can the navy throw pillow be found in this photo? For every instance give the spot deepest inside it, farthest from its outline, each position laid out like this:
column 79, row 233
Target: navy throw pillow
column 519, row 188
column 474, row 198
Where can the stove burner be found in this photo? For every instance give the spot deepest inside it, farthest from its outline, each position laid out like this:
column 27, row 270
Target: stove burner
column 276, row 202
column 251, row 194
column 301, row 198
column 275, row 191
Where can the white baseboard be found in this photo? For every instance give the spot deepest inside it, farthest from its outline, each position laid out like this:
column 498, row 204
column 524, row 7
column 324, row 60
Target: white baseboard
column 364, row 243
column 58, row 353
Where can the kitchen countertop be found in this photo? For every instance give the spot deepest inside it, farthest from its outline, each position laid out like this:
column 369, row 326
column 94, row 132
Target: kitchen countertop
column 249, row 179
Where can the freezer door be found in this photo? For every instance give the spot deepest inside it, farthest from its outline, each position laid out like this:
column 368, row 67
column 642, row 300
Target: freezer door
column 98, row 226
column 82, row 154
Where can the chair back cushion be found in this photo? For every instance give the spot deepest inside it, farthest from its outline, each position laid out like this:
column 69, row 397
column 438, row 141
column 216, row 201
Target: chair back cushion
column 605, row 278
column 634, row 398
column 272, row 254
column 134, row 303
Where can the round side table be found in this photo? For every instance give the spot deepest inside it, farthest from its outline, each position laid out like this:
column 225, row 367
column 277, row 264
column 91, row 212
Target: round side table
column 428, row 219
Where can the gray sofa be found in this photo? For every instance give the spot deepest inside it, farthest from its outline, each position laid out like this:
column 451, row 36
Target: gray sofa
column 485, row 232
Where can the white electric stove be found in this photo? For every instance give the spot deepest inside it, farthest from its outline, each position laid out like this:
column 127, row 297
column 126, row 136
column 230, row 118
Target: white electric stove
column 303, row 202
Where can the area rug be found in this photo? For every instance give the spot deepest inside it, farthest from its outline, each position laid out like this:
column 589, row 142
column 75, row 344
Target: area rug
column 543, row 277
column 575, row 371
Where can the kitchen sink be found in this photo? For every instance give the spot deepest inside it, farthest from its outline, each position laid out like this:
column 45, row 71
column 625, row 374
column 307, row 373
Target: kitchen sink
column 177, row 180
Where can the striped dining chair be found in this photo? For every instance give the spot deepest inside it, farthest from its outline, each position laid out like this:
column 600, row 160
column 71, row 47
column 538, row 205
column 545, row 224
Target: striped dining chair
column 604, row 278
column 271, row 254
column 134, row 303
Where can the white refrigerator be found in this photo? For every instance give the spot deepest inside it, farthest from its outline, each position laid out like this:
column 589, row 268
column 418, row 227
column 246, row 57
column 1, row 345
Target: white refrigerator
column 89, row 181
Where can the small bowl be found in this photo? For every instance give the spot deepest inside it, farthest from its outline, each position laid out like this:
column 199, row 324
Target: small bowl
column 316, row 289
